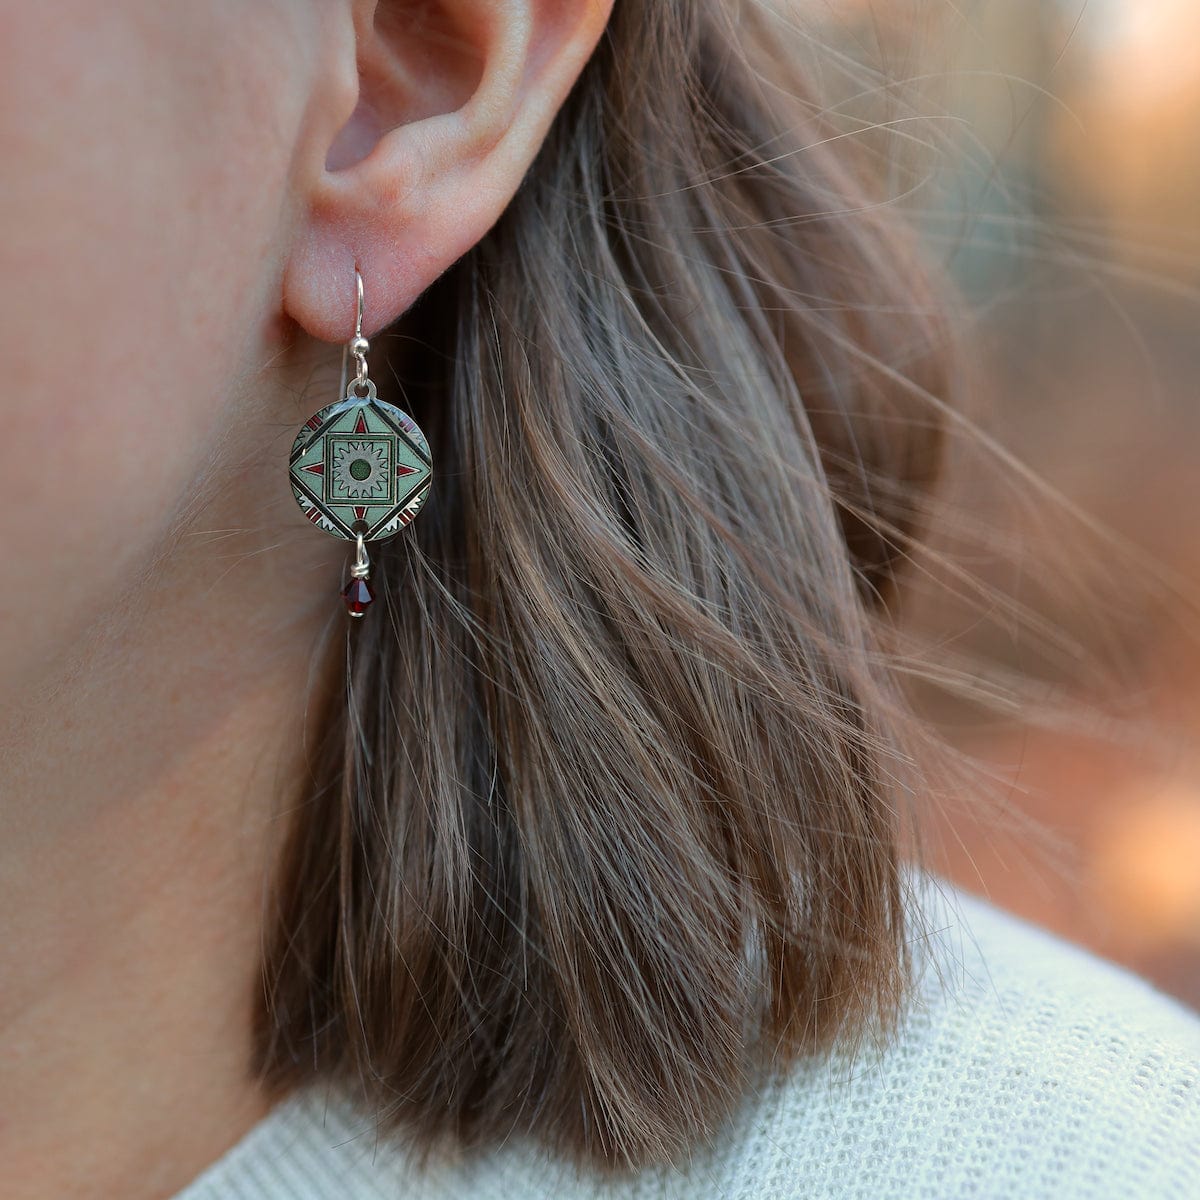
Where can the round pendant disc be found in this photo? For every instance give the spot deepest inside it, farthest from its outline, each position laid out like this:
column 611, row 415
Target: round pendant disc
column 360, row 465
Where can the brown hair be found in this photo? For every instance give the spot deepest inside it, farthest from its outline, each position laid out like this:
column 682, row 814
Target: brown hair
column 611, row 811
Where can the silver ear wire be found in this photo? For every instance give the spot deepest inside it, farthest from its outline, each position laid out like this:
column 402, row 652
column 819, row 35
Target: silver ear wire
column 358, row 345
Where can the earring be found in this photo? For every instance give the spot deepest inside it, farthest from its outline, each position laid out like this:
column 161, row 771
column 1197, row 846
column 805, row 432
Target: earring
column 360, row 468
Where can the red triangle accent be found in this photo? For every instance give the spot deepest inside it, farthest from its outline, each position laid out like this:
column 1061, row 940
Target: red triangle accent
column 315, row 469
column 401, row 469
column 360, row 426
column 360, row 513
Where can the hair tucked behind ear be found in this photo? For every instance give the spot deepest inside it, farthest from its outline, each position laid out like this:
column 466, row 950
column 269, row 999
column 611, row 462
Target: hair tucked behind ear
column 611, row 819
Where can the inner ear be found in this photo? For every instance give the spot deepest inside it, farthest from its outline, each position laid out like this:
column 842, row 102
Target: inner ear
column 414, row 62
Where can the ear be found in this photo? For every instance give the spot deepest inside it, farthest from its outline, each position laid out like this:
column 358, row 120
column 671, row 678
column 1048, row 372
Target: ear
column 432, row 116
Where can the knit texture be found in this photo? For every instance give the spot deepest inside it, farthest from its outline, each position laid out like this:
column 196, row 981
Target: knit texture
column 1027, row 1067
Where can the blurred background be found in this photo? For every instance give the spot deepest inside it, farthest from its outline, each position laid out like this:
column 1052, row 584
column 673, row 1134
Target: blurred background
column 1057, row 179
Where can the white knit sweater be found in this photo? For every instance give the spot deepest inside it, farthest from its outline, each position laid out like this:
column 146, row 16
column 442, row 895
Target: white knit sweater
column 1029, row 1068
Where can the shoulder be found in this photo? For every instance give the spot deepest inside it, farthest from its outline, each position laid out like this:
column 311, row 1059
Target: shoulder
column 1026, row 1067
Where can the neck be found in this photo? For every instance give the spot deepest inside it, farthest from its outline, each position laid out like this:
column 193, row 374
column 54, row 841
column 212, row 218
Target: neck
column 144, row 775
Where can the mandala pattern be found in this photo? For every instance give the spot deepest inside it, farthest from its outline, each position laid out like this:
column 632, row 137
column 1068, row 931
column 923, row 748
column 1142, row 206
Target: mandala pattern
column 362, row 464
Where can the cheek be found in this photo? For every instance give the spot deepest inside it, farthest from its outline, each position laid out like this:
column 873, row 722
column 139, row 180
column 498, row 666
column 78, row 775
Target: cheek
column 146, row 150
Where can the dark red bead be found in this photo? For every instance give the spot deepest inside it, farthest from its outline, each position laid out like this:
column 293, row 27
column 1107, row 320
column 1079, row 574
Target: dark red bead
column 358, row 597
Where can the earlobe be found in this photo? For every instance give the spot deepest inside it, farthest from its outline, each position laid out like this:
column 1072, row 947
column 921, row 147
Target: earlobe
column 455, row 98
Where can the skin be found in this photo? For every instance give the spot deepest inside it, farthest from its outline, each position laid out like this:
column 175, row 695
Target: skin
column 186, row 191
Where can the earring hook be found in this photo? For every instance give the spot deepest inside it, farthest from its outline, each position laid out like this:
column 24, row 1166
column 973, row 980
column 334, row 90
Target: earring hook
column 358, row 287
column 358, row 345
